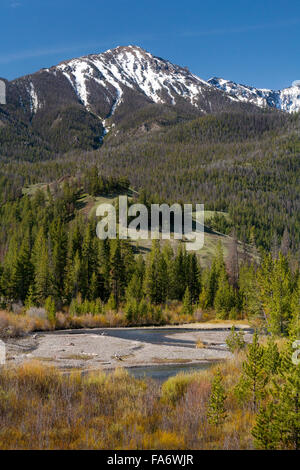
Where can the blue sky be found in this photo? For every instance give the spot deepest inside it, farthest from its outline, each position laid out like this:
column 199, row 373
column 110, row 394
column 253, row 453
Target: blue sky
column 255, row 42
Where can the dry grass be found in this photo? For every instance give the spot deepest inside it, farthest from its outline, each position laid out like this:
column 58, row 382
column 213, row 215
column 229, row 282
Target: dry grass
column 44, row 359
column 79, row 357
column 244, row 322
column 200, row 344
column 41, row 408
column 14, row 325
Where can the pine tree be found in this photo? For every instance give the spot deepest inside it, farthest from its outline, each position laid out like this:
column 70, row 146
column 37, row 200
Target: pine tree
column 235, row 340
column 50, row 309
column 93, row 287
column 287, row 398
column 72, row 279
column 216, row 412
column 135, row 288
column 249, row 291
column 59, row 254
column 7, row 284
column 271, row 357
column 88, row 261
column 275, row 292
column 156, row 279
column 104, row 263
column 43, row 281
column 117, row 274
column 264, row 432
column 187, row 307
column 22, row 271
column 294, row 325
column 254, row 378
column 224, row 297
column 30, row 299
column 193, row 276
column 278, row 423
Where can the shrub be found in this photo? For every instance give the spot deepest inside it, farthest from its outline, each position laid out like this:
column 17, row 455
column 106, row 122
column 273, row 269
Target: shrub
column 37, row 312
column 200, row 344
column 175, row 387
column 235, row 340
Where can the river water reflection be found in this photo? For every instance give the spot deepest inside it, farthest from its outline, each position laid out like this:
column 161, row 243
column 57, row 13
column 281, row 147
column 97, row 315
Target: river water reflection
column 163, row 372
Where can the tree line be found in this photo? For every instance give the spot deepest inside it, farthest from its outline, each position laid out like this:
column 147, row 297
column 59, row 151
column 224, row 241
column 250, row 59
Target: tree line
column 49, row 250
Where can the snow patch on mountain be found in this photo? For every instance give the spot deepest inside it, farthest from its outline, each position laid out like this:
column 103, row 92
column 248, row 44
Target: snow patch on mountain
column 34, row 102
column 287, row 99
column 159, row 80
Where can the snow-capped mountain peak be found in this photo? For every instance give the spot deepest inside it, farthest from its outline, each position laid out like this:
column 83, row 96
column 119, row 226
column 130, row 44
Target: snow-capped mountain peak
column 287, row 99
column 132, row 67
column 127, row 81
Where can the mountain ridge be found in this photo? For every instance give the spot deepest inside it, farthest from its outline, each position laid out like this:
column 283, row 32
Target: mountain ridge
column 76, row 103
column 287, row 99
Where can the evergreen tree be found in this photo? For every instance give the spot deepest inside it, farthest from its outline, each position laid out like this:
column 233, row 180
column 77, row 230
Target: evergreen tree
column 187, row 306
column 271, row 357
column 156, row 275
column 58, row 238
column 88, row 260
column 22, row 271
column 135, row 288
column 117, row 274
column 275, row 291
column 224, row 297
column 278, row 423
column 216, row 412
column 93, row 287
column 249, row 291
column 30, row 299
column 50, row 309
column 266, row 435
column 73, row 276
column 235, row 340
column 193, row 276
column 294, row 325
column 43, row 281
column 254, row 379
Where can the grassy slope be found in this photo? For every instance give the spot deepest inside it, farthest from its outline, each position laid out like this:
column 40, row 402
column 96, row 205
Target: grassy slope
column 211, row 238
column 88, row 205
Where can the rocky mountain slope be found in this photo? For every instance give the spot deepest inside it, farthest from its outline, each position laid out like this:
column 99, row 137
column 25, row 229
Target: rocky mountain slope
column 76, row 103
column 287, row 99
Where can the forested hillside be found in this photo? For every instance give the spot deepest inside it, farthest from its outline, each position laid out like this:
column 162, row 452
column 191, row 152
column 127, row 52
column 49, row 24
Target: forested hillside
column 243, row 164
column 52, row 259
column 87, row 131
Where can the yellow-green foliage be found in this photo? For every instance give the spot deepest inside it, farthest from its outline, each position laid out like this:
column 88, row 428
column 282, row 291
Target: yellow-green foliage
column 175, row 387
column 16, row 325
column 42, row 408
